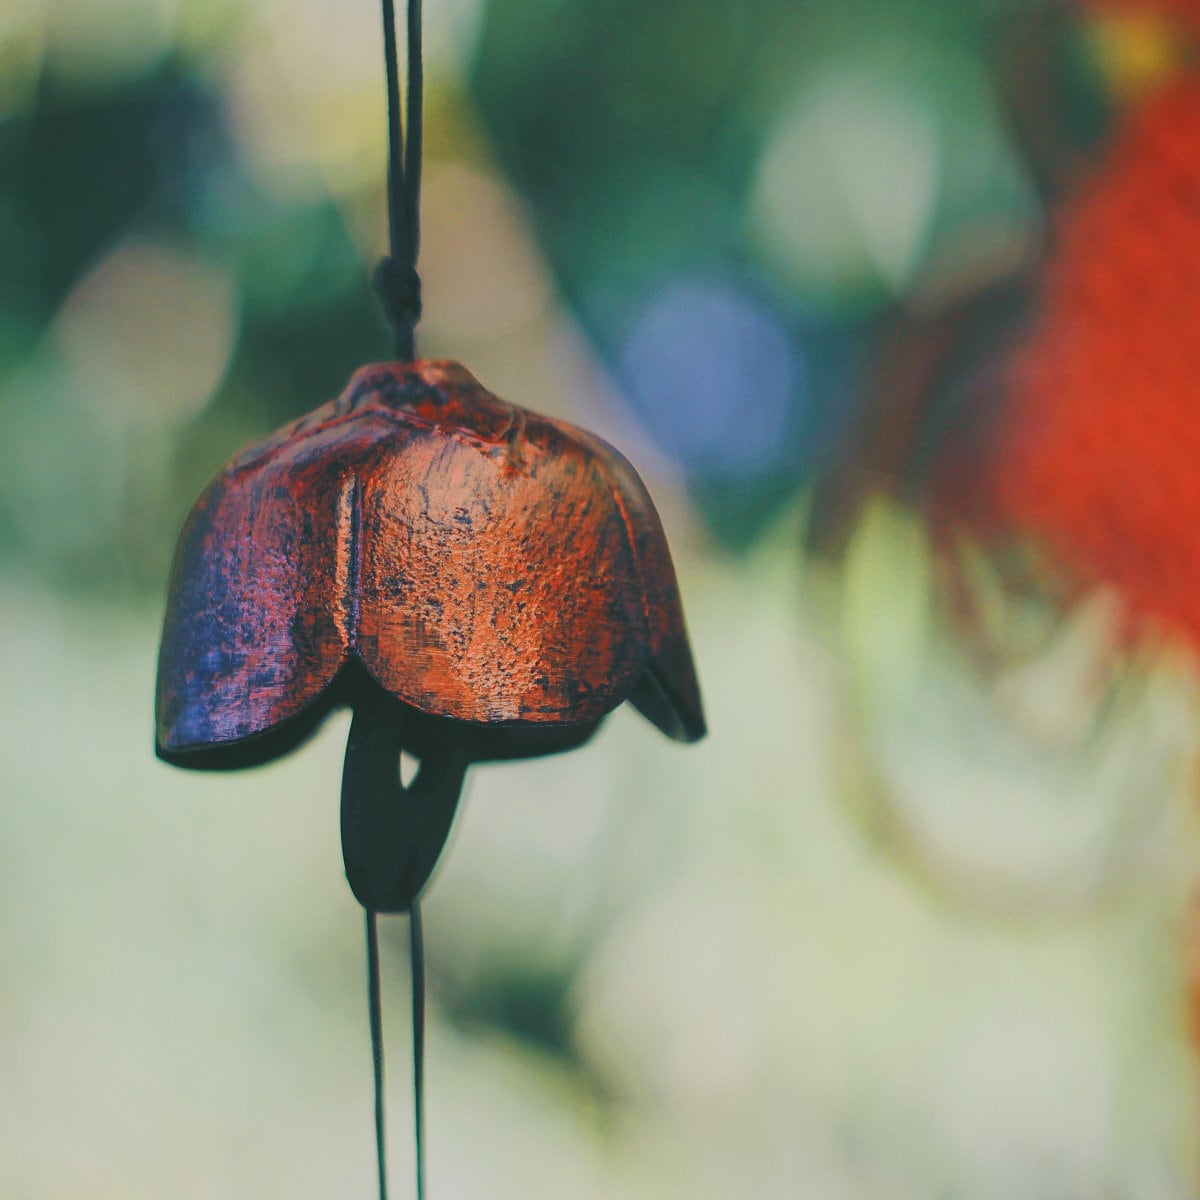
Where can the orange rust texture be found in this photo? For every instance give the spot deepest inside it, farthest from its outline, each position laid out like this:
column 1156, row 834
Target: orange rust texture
column 483, row 563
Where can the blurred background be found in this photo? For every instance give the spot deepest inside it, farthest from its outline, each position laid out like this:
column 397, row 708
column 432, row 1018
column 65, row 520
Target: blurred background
column 896, row 306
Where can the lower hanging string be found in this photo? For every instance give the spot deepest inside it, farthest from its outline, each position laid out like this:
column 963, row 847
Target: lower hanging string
column 417, row 944
column 376, row 1013
column 417, row 959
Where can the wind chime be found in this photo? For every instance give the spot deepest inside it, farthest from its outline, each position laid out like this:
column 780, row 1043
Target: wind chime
column 475, row 581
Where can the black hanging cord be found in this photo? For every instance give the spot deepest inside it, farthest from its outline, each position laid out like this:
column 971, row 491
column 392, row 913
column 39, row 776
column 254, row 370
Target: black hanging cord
column 396, row 276
column 376, row 1012
column 417, row 960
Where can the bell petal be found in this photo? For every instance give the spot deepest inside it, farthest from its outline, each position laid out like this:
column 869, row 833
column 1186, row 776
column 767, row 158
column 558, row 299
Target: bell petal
column 499, row 583
column 669, row 694
column 257, row 625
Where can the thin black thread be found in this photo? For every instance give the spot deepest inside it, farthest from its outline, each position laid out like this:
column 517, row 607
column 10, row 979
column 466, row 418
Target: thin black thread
column 396, row 276
column 376, row 1017
column 374, row 1003
column 416, row 125
column 417, row 959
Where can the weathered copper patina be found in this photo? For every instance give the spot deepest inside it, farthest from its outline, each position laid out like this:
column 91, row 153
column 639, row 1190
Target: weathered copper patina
column 477, row 581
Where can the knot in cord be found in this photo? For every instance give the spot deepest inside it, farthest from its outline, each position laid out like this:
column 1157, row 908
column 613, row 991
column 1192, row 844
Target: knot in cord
column 399, row 287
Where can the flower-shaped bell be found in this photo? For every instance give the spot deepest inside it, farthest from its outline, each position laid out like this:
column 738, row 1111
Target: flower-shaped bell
column 476, row 581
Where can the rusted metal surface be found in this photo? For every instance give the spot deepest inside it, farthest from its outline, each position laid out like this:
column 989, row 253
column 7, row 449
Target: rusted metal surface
column 483, row 564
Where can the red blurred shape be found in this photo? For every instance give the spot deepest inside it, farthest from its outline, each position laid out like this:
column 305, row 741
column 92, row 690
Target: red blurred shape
column 1098, row 447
